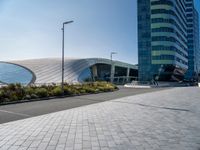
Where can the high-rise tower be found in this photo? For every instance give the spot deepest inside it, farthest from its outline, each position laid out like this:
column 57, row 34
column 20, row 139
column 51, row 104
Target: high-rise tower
column 164, row 37
column 193, row 42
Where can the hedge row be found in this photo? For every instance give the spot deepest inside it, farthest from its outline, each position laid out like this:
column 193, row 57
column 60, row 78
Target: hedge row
column 17, row 92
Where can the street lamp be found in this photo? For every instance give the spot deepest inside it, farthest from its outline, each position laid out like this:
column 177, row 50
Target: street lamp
column 63, row 52
column 112, row 71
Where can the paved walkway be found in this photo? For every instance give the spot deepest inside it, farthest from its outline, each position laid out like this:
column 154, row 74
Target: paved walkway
column 31, row 109
column 163, row 120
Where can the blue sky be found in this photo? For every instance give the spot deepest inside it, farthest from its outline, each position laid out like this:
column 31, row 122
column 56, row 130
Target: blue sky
column 32, row 28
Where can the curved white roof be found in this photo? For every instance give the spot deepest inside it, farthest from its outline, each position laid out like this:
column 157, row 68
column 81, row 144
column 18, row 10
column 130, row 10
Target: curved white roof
column 48, row 70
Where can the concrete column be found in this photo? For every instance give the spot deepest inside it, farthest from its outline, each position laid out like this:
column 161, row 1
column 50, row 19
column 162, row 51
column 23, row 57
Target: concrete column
column 94, row 71
column 127, row 74
column 112, row 72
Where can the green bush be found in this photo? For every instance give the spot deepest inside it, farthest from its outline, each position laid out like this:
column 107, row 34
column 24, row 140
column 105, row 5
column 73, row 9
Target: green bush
column 14, row 97
column 29, row 90
column 27, row 97
column 1, row 96
column 71, row 90
column 34, row 96
column 12, row 87
column 41, row 92
column 82, row 91
column 89, row 90
column 57, row 91
column 13, row 92
column 16, row 92
column 68, row 90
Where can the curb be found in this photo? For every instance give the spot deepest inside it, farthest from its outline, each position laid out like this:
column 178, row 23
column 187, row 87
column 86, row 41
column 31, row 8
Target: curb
column 49, row 98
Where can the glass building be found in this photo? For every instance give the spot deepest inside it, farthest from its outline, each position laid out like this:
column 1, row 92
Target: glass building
column 193, row 43
column 167, row 39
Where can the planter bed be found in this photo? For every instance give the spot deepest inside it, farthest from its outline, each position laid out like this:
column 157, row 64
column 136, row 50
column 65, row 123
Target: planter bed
column 16, row 93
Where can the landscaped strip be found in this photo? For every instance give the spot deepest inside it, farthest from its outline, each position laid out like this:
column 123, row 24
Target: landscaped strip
column 17, row 93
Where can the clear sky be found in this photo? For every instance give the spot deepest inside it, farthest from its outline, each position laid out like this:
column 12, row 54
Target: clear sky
column 32, row 28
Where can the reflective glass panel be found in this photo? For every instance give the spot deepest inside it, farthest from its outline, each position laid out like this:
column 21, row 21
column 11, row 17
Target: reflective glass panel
column 10, row 73
column 85, row 76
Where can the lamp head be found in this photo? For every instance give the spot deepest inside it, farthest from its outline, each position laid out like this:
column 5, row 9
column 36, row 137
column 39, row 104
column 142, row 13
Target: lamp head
column 113, row 53
column 67, row 22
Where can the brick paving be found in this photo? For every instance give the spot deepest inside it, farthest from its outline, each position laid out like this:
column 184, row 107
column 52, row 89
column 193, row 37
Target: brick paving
column 163, row 120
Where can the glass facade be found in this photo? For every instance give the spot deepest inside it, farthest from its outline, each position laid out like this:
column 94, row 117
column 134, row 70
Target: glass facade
column 102, row 72
column 11, row 73
column 144, row 39
column 86, row 75
column 164, row 40
column 193, row 43
column 96, row 72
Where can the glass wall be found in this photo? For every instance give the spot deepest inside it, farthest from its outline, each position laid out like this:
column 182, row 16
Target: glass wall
column 85, row 76
column 11, row 73
column 144, row 40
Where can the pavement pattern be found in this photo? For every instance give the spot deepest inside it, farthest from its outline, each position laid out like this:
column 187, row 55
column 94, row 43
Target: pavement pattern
column 36, row 108
column 162, row 120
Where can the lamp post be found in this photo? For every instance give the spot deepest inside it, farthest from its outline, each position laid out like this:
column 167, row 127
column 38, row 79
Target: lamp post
column 112, row 71
column 63, row 53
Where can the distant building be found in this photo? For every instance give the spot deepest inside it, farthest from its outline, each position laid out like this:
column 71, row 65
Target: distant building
column 48, row 70
column 168, row 40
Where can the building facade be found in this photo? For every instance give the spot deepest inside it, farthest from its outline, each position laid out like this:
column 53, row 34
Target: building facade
column 193, row 42
column 165, row 37
column 48, row 70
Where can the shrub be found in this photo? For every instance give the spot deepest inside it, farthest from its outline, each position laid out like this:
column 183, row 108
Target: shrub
column 11, row 87
column 14, row 97
column 82, row 91
column 27, row 97
column 1, row 96
column 29, row 90
column 15, row 92
column 41, row 92
column 89, row 89
column 34, row 96
column 57, row 91
column 68, row 90
column 97, row 90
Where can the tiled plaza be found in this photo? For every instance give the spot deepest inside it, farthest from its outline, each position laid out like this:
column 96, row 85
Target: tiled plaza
column 163, row 120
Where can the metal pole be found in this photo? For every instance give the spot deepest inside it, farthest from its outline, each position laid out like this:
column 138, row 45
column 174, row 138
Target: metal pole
column 111, row 71
column 63, row 55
